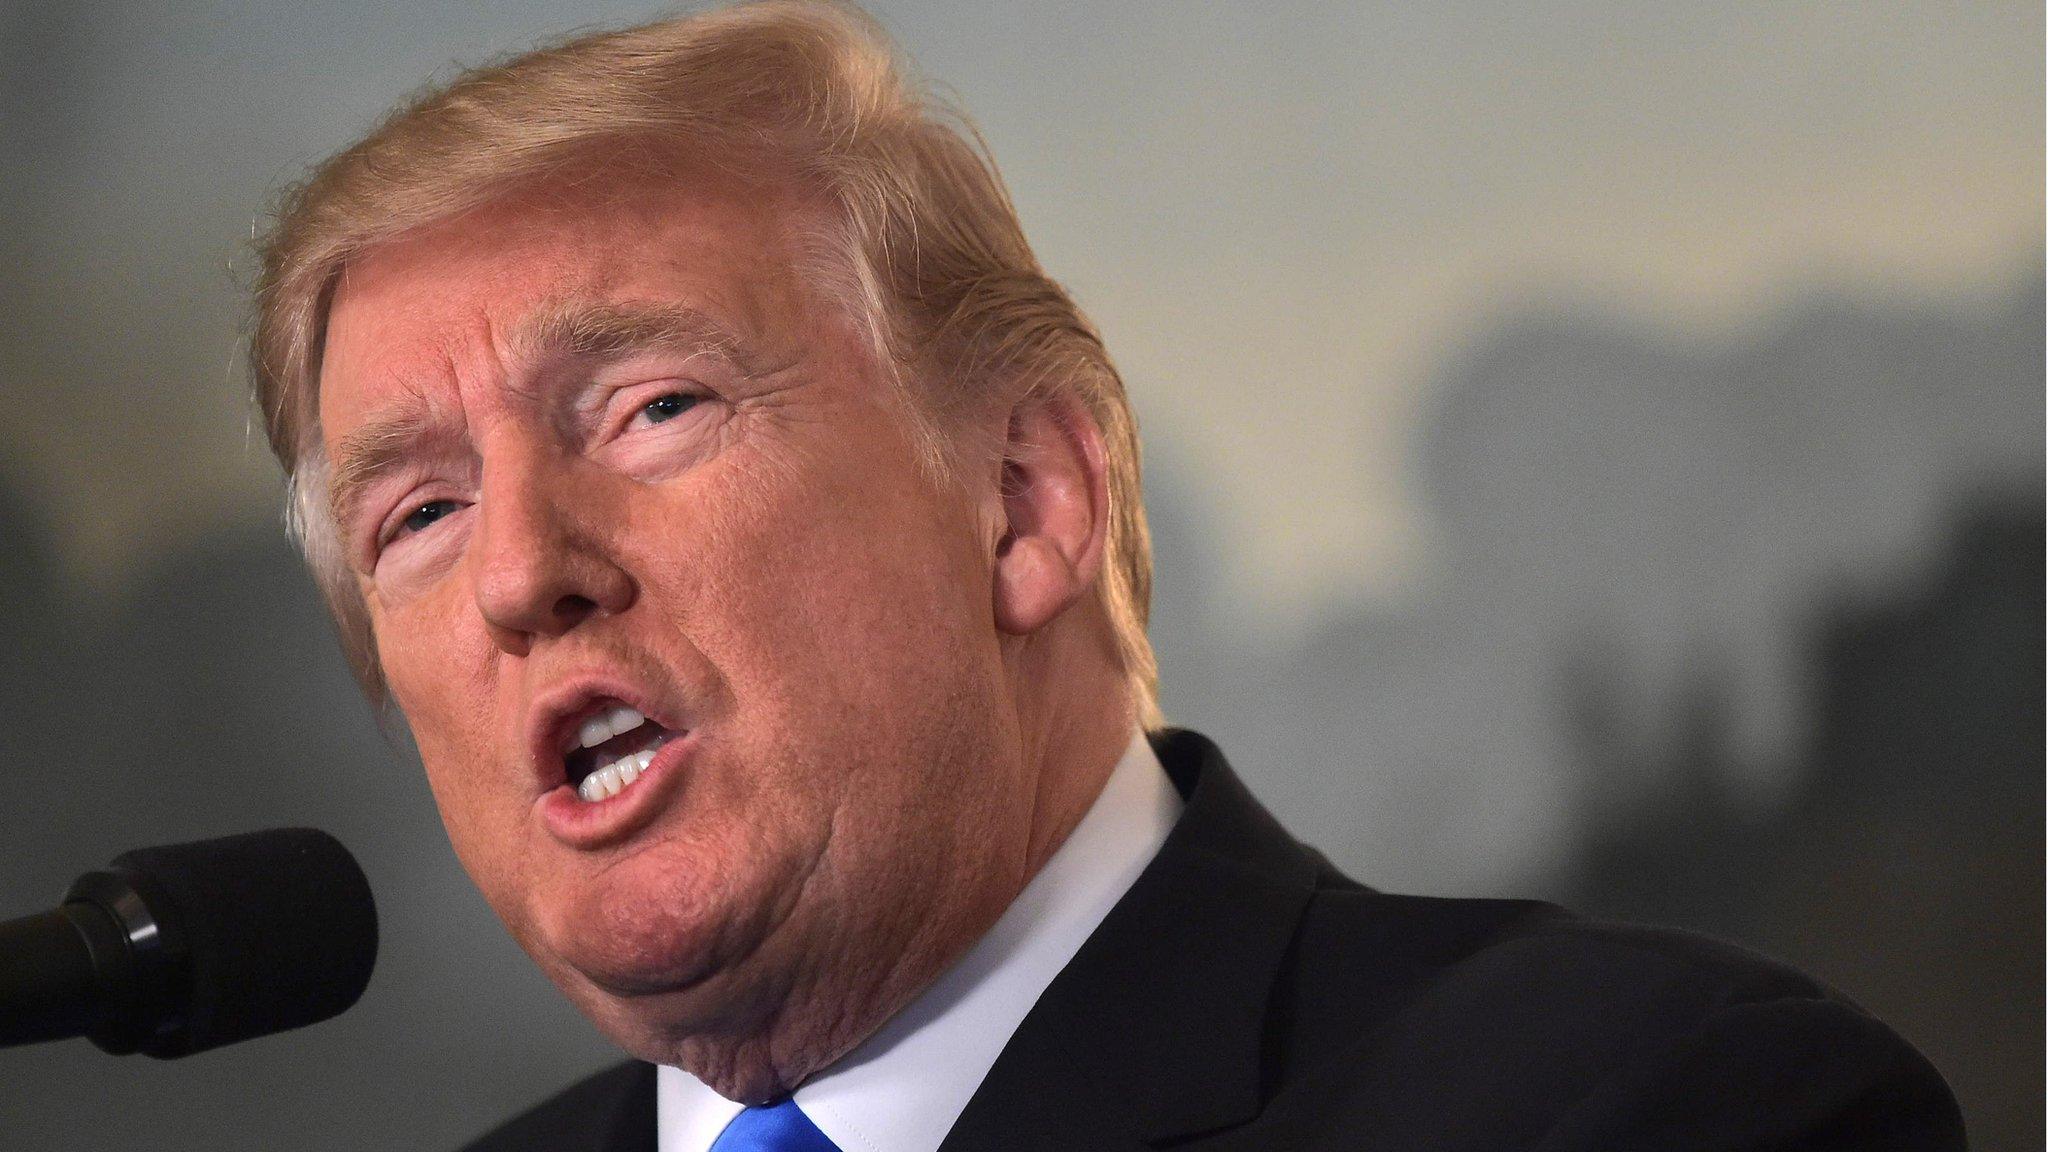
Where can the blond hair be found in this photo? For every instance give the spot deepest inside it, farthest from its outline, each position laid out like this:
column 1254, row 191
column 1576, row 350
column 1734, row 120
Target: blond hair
column 925, row 252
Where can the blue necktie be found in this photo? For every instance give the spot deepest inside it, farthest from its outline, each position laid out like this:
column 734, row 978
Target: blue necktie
column 779, row 1127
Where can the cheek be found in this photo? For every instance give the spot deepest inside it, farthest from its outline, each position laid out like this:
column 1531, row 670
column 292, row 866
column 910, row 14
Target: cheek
column 436, row 655
column 839, row 595
column 439, row 678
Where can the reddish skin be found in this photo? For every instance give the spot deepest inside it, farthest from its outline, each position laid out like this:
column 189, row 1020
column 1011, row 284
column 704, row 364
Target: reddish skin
column 899, row 696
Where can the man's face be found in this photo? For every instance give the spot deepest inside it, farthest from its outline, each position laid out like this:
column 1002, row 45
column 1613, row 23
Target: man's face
column 609, row 453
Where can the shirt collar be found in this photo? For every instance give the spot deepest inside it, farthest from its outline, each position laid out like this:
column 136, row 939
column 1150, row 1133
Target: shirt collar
column 902, row 1088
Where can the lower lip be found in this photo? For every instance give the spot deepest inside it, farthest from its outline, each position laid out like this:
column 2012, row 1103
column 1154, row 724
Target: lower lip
column 580, row 823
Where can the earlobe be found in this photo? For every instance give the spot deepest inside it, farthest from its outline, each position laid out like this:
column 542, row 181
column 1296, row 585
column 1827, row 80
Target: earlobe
column 1033, row 585
column 1055, row 510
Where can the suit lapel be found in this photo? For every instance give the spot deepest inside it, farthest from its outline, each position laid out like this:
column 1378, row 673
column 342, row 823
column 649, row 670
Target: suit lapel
column 612, row 1111
column 627, row 1115
column 1154, row 1030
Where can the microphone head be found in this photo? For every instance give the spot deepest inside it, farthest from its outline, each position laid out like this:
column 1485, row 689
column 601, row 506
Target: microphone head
column 262, row 932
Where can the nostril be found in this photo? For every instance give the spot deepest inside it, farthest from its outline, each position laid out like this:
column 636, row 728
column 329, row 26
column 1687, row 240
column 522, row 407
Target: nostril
column 573, row 608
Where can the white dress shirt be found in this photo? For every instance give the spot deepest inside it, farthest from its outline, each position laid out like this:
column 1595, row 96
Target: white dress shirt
column 902, row 1088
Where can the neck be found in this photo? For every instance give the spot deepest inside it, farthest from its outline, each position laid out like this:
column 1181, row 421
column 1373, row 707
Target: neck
column 1073, row 717
column 1076, row 716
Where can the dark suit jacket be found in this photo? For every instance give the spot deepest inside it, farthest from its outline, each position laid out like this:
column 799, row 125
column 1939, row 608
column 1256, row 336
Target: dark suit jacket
column 1246, row 995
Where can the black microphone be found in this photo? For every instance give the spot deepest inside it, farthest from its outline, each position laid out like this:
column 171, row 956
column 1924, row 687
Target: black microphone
column 173, row 950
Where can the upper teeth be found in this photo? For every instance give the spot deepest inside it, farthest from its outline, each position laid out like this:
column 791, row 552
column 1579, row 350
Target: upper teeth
column 607, row 724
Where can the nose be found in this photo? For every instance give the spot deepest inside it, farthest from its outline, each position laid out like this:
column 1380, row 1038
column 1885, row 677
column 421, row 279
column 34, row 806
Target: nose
column 539, row 562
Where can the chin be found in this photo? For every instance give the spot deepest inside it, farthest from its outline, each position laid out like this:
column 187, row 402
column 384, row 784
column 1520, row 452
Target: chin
column 640, row 939
column 659, row 939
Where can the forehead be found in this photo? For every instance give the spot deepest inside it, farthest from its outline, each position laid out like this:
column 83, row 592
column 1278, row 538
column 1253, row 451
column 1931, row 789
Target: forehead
column 452, row 302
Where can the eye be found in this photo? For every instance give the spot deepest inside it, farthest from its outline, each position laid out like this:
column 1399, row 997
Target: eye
column 669, row 407
column 423, row 517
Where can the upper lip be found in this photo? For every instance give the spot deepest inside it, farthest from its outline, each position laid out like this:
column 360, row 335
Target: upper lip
column 556, row 714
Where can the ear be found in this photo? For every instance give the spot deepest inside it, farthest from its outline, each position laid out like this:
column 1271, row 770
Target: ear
column 1055, row 503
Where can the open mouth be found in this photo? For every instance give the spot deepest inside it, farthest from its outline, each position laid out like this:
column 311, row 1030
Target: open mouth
column 606, row 754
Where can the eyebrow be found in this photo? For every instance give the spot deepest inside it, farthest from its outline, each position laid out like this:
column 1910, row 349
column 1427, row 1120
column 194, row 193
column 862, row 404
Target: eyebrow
column 609, row 330
column 576, row 330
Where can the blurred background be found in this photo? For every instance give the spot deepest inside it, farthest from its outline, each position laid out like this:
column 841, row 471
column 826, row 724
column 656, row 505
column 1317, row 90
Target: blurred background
column 1595, row 452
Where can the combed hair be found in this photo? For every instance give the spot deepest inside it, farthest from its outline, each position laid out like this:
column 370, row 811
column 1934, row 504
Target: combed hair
column 924, row 250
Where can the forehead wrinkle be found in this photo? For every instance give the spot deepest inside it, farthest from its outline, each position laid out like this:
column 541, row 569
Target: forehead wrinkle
column 380, row 445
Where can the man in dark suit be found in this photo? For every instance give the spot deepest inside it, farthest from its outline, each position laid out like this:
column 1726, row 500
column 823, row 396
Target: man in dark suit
column 1245, row 995
column 690, row 446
